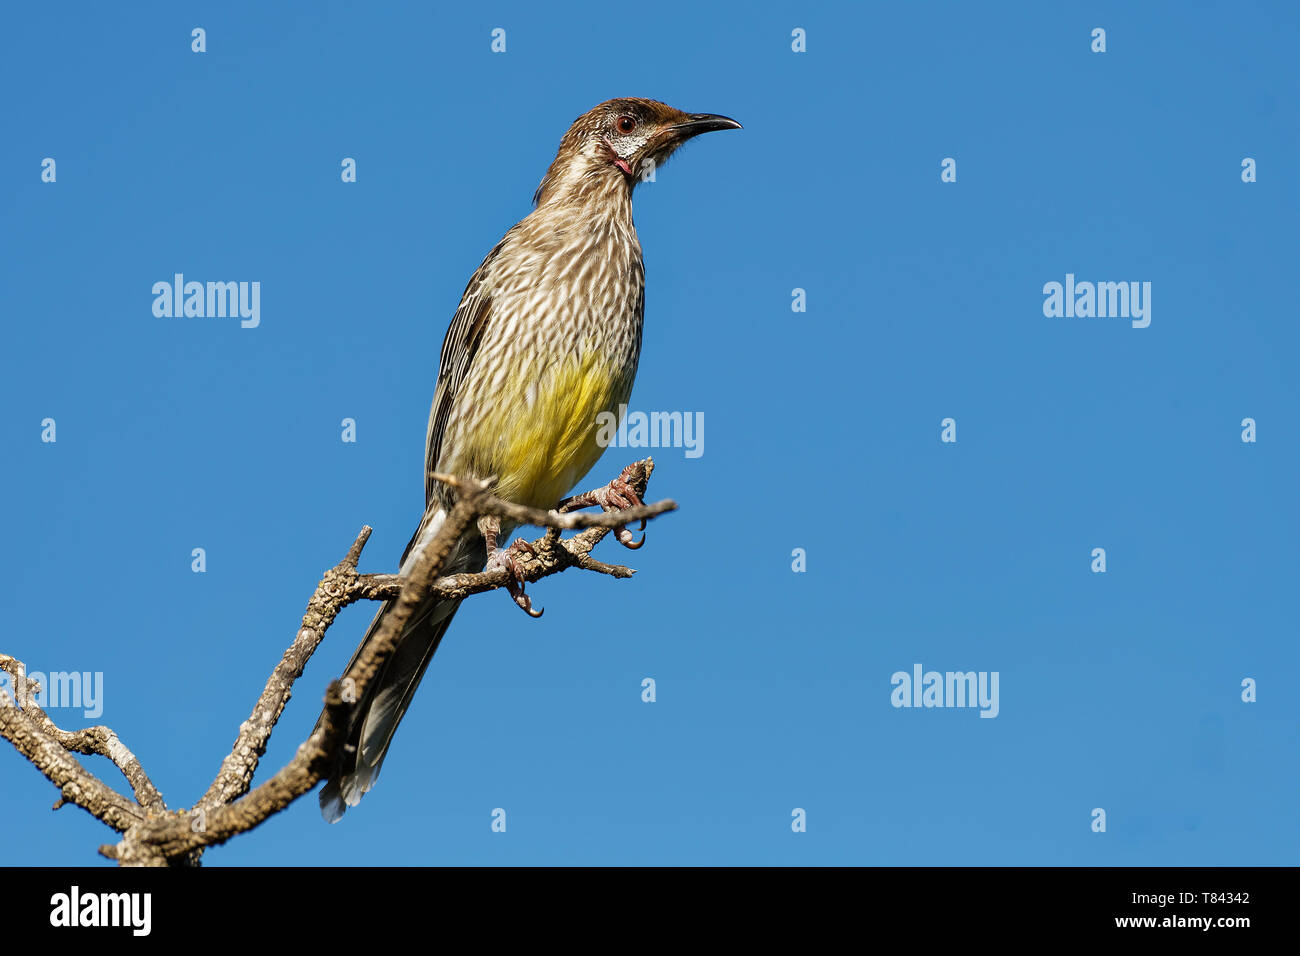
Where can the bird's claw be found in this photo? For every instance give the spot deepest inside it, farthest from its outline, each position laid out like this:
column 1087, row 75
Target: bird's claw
column 618, row 495
column 507, row 559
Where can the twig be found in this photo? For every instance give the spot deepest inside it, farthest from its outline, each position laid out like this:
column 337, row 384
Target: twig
column 154, row 836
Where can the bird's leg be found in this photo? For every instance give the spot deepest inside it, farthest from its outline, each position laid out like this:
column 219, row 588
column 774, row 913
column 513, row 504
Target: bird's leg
column 615, row 496
column 490, row 527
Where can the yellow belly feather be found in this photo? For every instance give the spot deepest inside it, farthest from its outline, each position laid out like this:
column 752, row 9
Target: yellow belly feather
column 543, row 447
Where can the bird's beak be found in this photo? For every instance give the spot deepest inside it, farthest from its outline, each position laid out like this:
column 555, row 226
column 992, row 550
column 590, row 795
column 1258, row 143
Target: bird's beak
column 697, row 123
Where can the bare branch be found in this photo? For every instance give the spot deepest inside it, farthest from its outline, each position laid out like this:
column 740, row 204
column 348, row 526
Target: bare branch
column 76, row 784
column 177, row 836
column 334, row 592
column 153, row 836
column 98, row 740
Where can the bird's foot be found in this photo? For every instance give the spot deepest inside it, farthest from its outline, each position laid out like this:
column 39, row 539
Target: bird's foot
column 618, row 495
column 508, row 559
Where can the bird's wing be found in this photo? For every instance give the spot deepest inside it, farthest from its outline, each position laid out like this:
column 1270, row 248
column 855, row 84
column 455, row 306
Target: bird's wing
column 458, row 351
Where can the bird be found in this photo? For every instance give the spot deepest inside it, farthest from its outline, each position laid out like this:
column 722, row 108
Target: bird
column 547, row 337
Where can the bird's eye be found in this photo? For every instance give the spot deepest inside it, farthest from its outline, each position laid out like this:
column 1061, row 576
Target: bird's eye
column 625, row 124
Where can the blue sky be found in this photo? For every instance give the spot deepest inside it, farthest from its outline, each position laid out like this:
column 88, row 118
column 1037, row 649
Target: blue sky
column 1119, row 690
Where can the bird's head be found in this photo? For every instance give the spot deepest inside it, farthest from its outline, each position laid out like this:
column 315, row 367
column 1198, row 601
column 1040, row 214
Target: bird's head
column 620, row 141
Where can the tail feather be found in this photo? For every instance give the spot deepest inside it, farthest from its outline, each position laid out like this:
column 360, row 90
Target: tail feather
column 373, row 719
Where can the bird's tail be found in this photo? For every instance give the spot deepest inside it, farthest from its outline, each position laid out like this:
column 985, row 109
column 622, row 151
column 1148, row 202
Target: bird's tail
column 373, row 719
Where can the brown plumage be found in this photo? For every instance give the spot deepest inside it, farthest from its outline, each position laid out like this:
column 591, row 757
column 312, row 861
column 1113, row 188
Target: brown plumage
column 547, row 337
